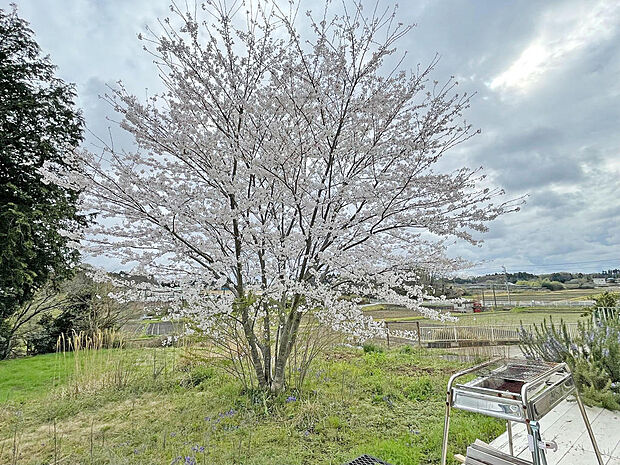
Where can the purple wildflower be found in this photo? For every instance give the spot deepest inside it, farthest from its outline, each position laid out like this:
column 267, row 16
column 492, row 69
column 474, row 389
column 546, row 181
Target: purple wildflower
column 291, row 399
column 230, row 413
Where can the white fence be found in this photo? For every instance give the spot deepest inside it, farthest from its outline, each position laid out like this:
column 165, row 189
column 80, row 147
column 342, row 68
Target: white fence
column 605, row 313
column 542, row 303
column 482, row 333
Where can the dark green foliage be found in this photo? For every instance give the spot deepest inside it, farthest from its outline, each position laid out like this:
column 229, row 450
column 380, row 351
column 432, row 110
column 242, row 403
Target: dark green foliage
column 561, row 277
column 593, row 355
column 86, row 308
column 38, row 125
column 552, row 285
column 603, row 301
column 47, row 331
column 607, row 299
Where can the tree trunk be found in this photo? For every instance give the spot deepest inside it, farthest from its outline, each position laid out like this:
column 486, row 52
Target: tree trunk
column 254, row 356
column 5, row 349
column 287, row 342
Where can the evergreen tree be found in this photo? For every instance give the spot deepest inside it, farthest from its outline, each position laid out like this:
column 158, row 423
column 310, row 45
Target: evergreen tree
column 39, row 129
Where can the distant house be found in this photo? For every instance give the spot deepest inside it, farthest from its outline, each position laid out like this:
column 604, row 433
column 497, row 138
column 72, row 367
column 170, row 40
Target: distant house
column 599, row 281
column 466, row 306
column 456, row 305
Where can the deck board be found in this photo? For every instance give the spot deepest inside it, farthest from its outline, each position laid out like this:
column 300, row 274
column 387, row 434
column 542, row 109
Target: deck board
column 564, row 425
column 603, row 425
column 615, row 455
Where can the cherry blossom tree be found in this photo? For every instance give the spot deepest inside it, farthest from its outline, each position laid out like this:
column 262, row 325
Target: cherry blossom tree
column 290, row 160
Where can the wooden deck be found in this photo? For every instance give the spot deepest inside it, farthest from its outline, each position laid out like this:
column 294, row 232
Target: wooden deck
column 565, row 426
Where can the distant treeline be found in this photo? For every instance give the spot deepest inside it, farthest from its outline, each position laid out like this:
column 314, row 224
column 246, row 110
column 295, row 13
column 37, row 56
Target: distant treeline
column 521, row 276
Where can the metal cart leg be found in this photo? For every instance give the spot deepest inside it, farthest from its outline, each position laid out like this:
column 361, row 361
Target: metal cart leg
column 509, row 432
column 531, row 442
column 446, row 427
column 597, row 452
column 534, row 439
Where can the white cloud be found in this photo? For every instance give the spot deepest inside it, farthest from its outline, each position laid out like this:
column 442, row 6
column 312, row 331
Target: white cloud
column 562, row 33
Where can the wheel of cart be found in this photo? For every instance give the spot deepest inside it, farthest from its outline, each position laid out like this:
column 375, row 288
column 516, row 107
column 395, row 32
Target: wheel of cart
column 514, row 390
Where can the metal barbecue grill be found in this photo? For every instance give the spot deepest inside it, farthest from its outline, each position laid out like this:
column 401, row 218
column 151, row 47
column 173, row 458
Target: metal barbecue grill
column 522, row 391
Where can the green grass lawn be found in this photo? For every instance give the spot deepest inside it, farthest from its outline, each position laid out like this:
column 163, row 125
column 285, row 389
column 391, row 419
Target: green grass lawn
column 157, row 407
column 31, row 377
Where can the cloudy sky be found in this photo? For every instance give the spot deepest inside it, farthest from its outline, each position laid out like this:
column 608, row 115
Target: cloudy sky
column 547, row 83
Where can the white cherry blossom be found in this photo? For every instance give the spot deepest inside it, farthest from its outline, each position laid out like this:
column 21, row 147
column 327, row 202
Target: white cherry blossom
column 288, row 170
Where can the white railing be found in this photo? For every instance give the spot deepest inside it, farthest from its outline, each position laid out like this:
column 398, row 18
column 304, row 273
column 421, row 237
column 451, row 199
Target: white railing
column 449, row 333
column 542, row 303
column 605, row 313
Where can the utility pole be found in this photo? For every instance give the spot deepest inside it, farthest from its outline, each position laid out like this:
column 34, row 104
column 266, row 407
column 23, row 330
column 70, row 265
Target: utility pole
column 494, row 298
column 506, row 282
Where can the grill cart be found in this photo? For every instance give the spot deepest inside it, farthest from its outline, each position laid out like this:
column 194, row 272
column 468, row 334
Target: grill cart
column 514, row 390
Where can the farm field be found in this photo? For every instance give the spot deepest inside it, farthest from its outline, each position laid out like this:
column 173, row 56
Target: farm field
column 515, row 316
column 542, row 295
column 163, row 406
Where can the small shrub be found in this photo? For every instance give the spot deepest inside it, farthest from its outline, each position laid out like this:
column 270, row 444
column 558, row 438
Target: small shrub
column 372, row 348
column 406, row 349
column 596, row 385
column 593, row 356
column 606, row 299
column 552, row 285
column 198, row 375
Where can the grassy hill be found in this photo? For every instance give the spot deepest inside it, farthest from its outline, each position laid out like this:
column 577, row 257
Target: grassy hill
column 165, row 406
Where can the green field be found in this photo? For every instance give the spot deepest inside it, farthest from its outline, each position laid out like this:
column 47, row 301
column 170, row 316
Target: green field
column 515, row 316
column 164, row 408
column 542, row 294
